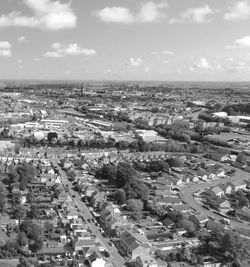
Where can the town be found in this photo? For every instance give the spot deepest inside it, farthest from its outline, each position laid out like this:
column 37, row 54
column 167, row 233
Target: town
column 112, row 174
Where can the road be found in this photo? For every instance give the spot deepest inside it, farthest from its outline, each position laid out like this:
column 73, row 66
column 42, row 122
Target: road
column 115, row 257
column 186, row 195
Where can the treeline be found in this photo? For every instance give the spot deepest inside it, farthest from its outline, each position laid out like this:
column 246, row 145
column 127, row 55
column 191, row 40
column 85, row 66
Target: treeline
column 210, row 118
column 238, row 109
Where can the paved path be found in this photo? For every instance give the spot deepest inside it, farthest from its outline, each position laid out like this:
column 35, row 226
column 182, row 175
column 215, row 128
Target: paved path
column 115, row 257
column 186, row 194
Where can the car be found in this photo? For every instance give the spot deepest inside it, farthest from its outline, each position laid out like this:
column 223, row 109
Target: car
column 88, row 220
column 104, row 234
column 111, row 244
column 74, row 196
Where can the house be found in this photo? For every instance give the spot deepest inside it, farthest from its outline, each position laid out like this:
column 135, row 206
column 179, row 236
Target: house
column 81, row 243
column 130, row 246
column 97, row 198
column 237, row 185
column 168, row 223
column 178, row 264
column 66, row 163
column 145, row 261
column 202, row 174
column 72, row 214
column 243, row 213
column 214, row 226
column 172, row 201
column 227, row 188
column 199, row 219
column 182, row 208
column 217, row 191
column 63, row 196
column 222, row 204
column 95, row 260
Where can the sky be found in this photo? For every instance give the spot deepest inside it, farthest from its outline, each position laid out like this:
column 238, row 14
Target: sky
column 166, row 40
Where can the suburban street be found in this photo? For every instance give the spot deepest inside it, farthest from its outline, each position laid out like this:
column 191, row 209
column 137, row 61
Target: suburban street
column 186, row 195
column 115, row 257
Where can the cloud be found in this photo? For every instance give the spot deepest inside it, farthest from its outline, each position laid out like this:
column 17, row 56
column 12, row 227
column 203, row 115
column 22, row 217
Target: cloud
column 233, row 65
column 5, row 49
column 135, row 62
column 61, row 50
column 48, row 14
column 239, row 11
column 21, row 39
column 149, row 12
column 241, row 43
column 164, row 52
column 200, row 64
column 52, row 54
column 195, row 15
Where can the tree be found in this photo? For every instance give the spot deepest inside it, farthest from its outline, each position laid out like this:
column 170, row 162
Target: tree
column 24, row 262
column 136, row 216
column 243, row 201
column 36, row 245
column 33, row 212
column 34, row 232
column 3, row 195
column 13, row 175
column 172, row 256
column 27, row 173
column 52, row 137
column 156, row 166
column 16, row 198
column 19, row 213
column 134, row 205
column 233, row 244
column 22, row 238
column 48, row 227
column 120, row 196
column 241, row 158
column 175, row 162
column 188, row 226
column 107, row 172
column 30, row 197
column 175, row 216
column 135, row 189
column 125, row 173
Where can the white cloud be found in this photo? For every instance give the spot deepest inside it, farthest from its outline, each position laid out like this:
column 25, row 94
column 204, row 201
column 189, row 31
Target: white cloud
column 5, row 49
column 195, row 15
column 239, row 11
column 48, row 14
column 147, row 69
column 115, row 14
column 52, row 54
column 164, row 52
column 233, row 65
column 200, row 64
column 135, row 62
column 37, row 59
column 21, row 39
column 61, row 50
column 241, row 43
column 149, row 12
